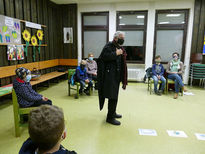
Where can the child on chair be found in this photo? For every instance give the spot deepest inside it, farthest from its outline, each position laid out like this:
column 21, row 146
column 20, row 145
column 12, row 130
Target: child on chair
column 46, row 128
column 82, row 77
column 157, row 74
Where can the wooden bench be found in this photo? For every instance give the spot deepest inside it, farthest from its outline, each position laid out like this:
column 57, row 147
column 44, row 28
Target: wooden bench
column 9, row 71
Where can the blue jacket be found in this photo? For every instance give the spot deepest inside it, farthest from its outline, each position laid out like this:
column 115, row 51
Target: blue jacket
column 25, row 94
column 80, row 74
column 29, row 147
column 157, row 69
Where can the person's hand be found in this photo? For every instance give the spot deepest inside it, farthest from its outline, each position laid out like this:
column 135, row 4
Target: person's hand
column 44, row 98
column 118, row 52
column 87, row 81
column 95, row 74
column 159, row 77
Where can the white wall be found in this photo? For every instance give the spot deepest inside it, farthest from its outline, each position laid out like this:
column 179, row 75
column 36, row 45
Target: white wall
column 151, row 7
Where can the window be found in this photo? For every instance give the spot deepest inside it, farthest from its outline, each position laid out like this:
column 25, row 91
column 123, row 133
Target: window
column 95, row 28
column 134, row 24
column 170, row 33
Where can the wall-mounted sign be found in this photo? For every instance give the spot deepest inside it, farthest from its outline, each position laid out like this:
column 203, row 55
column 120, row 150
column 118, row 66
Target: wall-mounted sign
column 33, row 25
column 68, row 35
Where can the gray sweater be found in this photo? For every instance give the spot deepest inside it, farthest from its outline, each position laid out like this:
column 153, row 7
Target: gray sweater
column 91, row 67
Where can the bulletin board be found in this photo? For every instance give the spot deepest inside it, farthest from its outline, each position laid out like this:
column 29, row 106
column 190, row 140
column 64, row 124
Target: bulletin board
column 204, row 46
column 10, row 30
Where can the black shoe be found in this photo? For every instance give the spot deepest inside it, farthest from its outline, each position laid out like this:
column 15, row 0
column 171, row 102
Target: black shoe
column 86, row 91
column 117, row 115
column 113, row 121
column 158, row 93
column 80, row 91
column 161, row 91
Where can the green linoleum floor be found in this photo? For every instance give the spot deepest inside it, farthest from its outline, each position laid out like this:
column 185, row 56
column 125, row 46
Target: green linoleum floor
column 89, row 134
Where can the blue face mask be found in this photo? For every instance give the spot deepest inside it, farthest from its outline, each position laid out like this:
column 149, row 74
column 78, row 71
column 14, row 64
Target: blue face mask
column 28, row 78
column 90, row 58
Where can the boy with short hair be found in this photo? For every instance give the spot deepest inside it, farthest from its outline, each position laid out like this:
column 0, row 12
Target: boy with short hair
column 46, row 129
column 157, row 74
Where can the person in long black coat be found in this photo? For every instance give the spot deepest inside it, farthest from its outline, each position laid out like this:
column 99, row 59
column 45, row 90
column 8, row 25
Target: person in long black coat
column 112, row 69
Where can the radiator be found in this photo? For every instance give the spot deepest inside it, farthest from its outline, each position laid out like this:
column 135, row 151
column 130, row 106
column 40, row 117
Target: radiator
column 134, row 74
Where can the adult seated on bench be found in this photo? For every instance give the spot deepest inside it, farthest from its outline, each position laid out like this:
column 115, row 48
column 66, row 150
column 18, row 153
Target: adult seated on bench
column 175, row 70
column 26, row 96
column 91, row 68
column 82, row 77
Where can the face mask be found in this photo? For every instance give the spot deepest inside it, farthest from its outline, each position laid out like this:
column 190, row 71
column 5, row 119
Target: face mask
column 120, row 41
column 82, row 66
column 175, row 57
column 28, row 78
column 90, row 58
column 158, row 61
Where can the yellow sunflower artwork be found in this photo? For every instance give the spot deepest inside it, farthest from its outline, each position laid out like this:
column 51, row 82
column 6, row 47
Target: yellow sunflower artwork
column 34, row 40
column 26, row 35
column 40, row 35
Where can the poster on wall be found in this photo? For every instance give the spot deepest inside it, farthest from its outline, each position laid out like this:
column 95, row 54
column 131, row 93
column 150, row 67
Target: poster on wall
column 20, row 52
column 68, row 35
column 204, row 45
column 11, row 52
column 10, row 30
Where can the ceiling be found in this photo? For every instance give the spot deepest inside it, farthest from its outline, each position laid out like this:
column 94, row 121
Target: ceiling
column 99, row 1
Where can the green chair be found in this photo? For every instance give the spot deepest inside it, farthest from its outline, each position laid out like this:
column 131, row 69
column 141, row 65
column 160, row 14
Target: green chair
column 150, row 82
column 18, row 114
column 70, row 73
column 70, row 87
column 169, row 81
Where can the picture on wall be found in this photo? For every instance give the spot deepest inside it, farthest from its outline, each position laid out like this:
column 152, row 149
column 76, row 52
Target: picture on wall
column 20, row 52
column 11, row 52
column 204, row 45
column 68, row 35
column 10, row 30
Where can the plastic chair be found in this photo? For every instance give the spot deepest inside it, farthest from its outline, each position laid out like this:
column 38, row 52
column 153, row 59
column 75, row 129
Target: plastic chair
column 18, row 114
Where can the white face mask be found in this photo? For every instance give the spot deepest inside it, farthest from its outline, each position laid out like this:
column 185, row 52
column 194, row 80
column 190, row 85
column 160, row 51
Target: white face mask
column 28, row 78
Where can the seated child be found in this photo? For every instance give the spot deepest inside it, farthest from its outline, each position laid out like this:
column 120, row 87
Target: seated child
column 157, row 74
column 46, row 128
column 26, row 96
column 82, row 77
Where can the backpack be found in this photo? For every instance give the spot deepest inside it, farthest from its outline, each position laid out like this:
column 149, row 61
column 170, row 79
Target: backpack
column 72, row 79
column 148, row 73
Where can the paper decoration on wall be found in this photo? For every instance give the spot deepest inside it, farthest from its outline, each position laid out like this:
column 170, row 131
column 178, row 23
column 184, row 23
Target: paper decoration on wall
column 11, row 52
column 10, row 31
column 204, row 45
column 68, row 35
column 33, row 25
column 34, row 43
column 20, row 52
column 40, row 38
column 26, row 36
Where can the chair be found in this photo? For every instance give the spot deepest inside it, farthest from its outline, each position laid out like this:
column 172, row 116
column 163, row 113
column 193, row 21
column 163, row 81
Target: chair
column 150, row 82
column 18, row 114
column 150, row 79
column 70, row 87
column 169, row 81
column 70, row 74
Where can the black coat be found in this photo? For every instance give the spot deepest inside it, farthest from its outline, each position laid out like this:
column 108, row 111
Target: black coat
column 110, row 73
